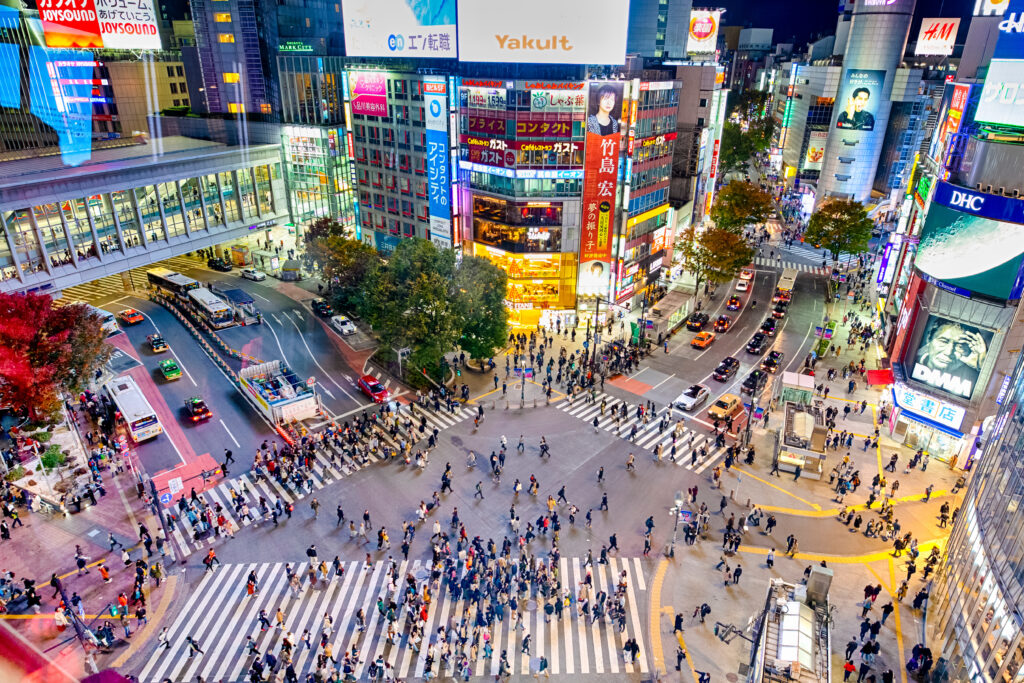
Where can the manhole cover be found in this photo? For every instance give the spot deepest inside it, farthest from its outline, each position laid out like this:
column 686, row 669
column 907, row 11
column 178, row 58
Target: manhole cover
column 457, row 441
column 731, row 677
column 531, row 605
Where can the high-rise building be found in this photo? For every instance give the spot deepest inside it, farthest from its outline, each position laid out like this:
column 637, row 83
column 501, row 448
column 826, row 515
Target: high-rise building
column 871, row 54
column 658, row 28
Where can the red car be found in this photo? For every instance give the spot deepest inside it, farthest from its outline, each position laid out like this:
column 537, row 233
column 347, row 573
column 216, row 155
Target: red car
column 369, row 385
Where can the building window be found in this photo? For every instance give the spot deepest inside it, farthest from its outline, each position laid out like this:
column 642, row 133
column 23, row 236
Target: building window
column 236, row 107
column 307, row 22
column 229, row 77
column 225, row 37
column 174, row 88
column 170, row 71
column 265, row 108
column 177, row 103
column 184, row 103
column 180, row 71
column 222, row 17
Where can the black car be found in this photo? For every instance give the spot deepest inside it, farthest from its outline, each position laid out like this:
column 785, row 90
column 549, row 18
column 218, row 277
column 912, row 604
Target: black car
column 197, row 410
column 780, row 310
column 726, row 369
column 773, row 362
column 697, row 321
column 734, row 303
column 723, row 323
column 768, row 327
column 217, row 263
column 322, row 308
column 757, row 343
column 754, row 382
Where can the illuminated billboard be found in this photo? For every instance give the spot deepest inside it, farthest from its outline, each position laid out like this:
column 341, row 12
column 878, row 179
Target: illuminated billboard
column 1002, row 97
column 937, row 37
column 543, row 31
column 859, row 100
column 702, row 36
column 971, row 253
column 605, row 121
column 369, row 92
column 400, row 28
column 815, row 154
column 439, row 180
column 950, row 356
column 108, row 24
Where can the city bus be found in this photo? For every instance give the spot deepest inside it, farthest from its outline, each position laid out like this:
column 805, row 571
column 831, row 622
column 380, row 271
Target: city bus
column 108, row 323
column 211, row 308
column 784, row 288
column 134, row 409
column 170, row 282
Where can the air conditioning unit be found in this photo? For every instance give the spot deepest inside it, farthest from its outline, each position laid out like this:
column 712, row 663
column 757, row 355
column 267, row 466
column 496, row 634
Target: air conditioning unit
column 1015, row 192
column 978, row 187
column 988, row 189
column 1001, row 191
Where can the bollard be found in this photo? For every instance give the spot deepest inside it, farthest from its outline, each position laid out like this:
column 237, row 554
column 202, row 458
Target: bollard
column 506, row 405
column 535, row 403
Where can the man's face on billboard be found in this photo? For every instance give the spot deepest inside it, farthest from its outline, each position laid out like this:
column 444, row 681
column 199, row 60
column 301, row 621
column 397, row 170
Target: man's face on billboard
column 861, row 100
column 942, row 346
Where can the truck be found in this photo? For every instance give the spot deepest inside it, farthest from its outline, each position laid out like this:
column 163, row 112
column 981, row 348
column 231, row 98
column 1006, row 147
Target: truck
column 278, row 393
column 784, row 287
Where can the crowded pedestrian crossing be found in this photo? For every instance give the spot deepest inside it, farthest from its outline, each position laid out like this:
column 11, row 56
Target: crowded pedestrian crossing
column 649, row 435
column 329, row 463
column 219, row 615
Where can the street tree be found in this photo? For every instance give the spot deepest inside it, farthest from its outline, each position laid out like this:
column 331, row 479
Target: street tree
column 734, row 150
column 714, row 255
column 841, row 226
column 45, row 350
column 740, row 204
column 346, row 266
column 480, row 287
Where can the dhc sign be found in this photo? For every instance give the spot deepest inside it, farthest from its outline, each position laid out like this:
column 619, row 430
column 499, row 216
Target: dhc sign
column 992, row 206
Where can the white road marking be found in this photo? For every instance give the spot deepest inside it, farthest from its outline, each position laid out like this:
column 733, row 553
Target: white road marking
column 310, row 351
column 662, row 382
column 237, row 445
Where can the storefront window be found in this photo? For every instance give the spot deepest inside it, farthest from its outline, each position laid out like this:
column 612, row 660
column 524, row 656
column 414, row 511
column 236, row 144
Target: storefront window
column 518, row 239
column 146, row 198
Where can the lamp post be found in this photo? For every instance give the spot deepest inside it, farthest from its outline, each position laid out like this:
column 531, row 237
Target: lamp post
column 750, row 418
column 677, row 508
column 522, row 383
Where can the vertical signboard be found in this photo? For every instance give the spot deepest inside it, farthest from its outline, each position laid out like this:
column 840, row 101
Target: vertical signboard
column 815, row 150
column 703, row 34
column 937, row 37
column 435, row 97
column 712, row 172
column 600, row 173
column 369, row 92
column 860, row 98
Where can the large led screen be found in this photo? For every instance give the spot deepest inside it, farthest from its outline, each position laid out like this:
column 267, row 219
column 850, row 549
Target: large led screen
column 400, row 28
column 951, row 356
column 543, row 31
column 980, row 255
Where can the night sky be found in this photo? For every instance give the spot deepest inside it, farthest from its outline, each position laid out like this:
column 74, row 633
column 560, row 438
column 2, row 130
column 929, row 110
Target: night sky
column 800, row 20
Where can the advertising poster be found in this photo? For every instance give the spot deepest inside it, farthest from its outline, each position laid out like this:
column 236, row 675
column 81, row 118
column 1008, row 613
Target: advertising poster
column 400, row 28
column 981, row 255
column 601, row 169
column 369, row 92
column 815, row 150
column 703, row 34
column 950, row 356
column 1002, row 97
column 937, row 37
column 543, row 32
column 435, row 97
column 117, row 24
column 859, row 99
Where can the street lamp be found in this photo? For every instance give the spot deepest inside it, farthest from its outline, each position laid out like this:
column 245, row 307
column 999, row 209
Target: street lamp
column 522, row 382
column 675, row 512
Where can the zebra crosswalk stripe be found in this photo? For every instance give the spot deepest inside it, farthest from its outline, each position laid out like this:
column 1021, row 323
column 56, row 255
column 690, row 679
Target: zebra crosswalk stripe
column 219, row 616
column 648, row 436
column 322, row 472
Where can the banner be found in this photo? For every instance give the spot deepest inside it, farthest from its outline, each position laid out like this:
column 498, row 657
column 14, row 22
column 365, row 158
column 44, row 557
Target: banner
column 937, row 37
column 860, row 96
column 951, row 355
column 396, row 28
column 369, row 91
column 815, row 150
column 435, row 97
column 601, row 169
column 100, row 24
column 703, row 35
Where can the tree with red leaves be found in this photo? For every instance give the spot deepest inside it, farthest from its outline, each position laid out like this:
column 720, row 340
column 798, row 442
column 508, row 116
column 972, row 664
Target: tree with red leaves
column 45, row 350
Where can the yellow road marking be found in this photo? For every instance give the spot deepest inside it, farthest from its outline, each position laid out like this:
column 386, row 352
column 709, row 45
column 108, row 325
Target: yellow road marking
column 154, row 621
column 98, row 562
column 860, row 506
column 655, row 627
column 844, row 559
column 806, row 502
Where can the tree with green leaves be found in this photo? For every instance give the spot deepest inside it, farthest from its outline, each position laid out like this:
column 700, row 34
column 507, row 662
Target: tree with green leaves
column 45, row 350
column 740, row 204
column 841, row 226
column 714, row 255
column 480, row 286
column 346, row 265
column 734, row 150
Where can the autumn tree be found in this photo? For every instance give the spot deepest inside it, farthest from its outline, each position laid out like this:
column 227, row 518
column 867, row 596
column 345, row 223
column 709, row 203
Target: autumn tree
column 714, row 255
column 45, row 350
column 740, row 204
column 841, row 226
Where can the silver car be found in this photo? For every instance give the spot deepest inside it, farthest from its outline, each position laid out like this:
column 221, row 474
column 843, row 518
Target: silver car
column 343, row 325
column 693, row 398
column 253, row 274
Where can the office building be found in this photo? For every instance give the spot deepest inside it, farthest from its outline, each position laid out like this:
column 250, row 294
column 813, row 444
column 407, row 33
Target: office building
column 658, row 28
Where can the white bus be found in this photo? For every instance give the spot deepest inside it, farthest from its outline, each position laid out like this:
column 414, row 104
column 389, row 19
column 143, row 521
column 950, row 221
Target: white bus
column 107, row 320
column 133, row 408
column 170, row 282
column 211, row 308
